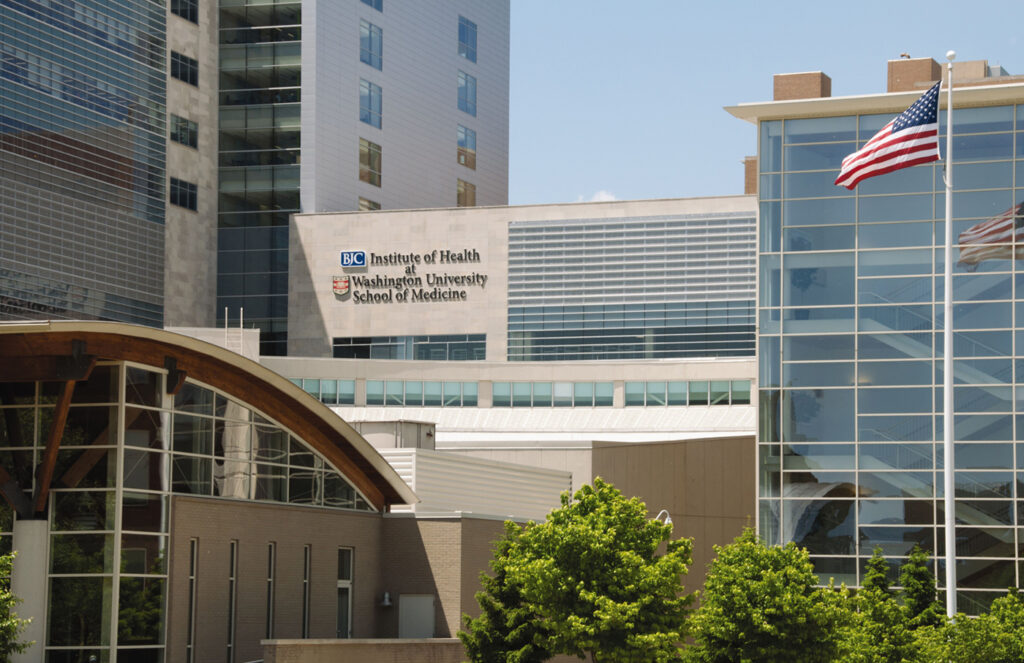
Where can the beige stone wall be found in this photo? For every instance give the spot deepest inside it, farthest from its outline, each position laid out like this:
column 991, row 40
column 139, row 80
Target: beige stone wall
column 215, row 523
column 707, row 486
column 190, row 260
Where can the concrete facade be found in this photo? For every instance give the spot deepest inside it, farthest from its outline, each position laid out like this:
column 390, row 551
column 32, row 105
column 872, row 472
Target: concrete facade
column 418, row 79
column 454, row 244
column 190, row 257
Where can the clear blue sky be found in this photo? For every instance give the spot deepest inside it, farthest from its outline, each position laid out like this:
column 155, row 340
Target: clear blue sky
column 624, row 99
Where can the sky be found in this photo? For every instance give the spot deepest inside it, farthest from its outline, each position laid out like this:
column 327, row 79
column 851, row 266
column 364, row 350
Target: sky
column 613, row 100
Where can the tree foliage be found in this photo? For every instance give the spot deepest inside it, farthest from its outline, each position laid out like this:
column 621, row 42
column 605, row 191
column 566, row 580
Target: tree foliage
column 879, row 631
column 761, row 603
column 994, row 637
column 919, row 595
column 592, row 582
column 506, row 630
column 11, row 625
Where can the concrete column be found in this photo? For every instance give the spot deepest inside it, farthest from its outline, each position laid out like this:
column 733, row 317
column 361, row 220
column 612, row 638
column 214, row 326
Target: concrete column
column 28, row 582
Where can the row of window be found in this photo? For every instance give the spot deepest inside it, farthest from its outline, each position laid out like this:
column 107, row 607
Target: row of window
column 370, row 172
column 693, row 392
column 552, row 394
column 436, row 347
column 371, row 112
column 345, row 578
column 371, row 42
column 417, row 393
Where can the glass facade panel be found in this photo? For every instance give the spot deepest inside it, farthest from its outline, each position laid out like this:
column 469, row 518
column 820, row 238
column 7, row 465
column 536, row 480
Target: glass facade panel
column 662, row 307
column 259, row 143
column 82, row 97
column 862, row 405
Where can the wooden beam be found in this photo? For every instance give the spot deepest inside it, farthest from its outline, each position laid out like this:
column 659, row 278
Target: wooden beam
column 175, row 376
column 45, row 472
column 88, row 458
column 32, row 369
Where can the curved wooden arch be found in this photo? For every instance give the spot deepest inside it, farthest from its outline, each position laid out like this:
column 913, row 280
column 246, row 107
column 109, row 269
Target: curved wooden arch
column 45, row 351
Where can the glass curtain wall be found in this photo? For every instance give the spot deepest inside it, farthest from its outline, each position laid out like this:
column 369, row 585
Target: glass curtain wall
column 260, row 78
column 125, row 451
column 850, row 325
column 82, row 157
column 631, row 288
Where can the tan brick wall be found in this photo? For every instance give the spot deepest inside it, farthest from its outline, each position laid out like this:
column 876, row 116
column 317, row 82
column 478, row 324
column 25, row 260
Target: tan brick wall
column 750, row 175
column 372, row 651
column 912, row 74
column 806, row 85
column 215, row 523
column 478, row 540
column 423, row 557
column 706, row 485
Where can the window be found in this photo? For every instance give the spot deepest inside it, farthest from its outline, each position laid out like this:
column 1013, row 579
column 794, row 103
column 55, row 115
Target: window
column 467, row 93
column 344, row 592
column 467, row 147
column 183, row 194
column 369, row 103
column 306, row 568
column 184, row 131
column 376, row 4
column 189, row 10
column 467, row 39
column 367, row 205
column 369, row 162
column 232, row 598
column 466, row 194
column 371, row 44
column 190, row 637
column 271, row 568
column 184, row 68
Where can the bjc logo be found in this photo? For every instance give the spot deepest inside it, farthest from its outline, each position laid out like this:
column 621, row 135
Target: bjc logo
column 353, row 259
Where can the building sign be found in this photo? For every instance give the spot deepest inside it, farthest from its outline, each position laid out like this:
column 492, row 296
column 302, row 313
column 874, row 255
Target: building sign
column 402, row 278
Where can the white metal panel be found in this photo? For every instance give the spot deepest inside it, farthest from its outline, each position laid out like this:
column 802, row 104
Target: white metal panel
column 456, row 483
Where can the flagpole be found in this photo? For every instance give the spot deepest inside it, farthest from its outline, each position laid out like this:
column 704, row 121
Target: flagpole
column 947, row 357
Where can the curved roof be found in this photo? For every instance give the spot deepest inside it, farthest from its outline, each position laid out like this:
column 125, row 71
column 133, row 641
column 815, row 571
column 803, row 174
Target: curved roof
column 42, row 350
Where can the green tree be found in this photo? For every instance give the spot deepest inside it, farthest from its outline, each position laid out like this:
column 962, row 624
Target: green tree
column 994, row 637
column 11, row 625
column 761, row 603
column 592, row 579
column 879, row 631
column 506, row 630
column 919, row 592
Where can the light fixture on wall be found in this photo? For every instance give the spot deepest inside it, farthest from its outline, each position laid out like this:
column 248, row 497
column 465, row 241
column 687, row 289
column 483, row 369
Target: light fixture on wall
column 385, row 602
column 664, row 512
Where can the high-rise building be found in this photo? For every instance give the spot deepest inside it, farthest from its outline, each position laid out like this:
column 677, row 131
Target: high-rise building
column 82, row 160
column 850, row 332
column 349, row 105
column 165, row 145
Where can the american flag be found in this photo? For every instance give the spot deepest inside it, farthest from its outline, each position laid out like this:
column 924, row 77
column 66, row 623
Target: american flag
column 910, row 139
column 998, row 238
